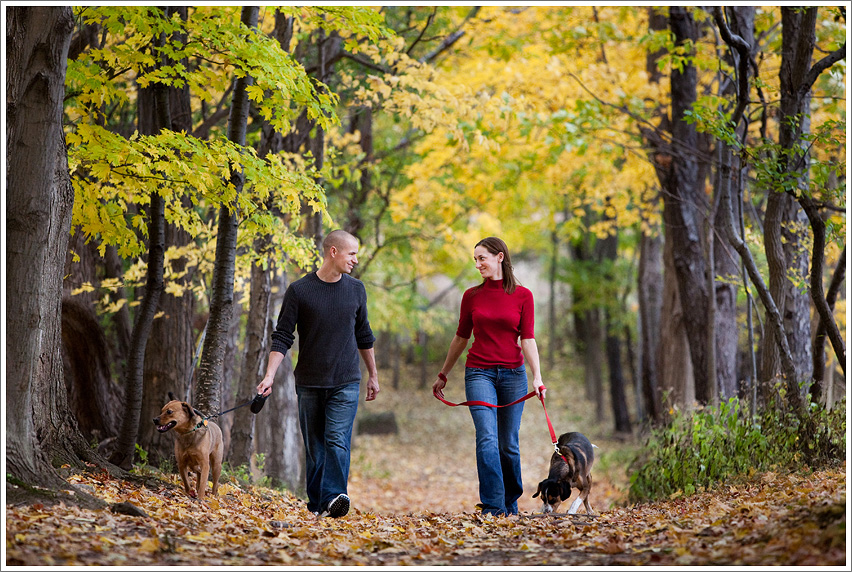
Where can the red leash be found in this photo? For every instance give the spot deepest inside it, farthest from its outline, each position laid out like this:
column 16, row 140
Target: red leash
column 485, row 403
column 524, row 398
column 552, row 432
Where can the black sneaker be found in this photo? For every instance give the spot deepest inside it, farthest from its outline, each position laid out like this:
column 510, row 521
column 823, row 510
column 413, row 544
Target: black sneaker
column 337, row 507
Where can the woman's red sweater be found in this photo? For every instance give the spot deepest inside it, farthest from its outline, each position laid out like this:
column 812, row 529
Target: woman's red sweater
column 498, row 321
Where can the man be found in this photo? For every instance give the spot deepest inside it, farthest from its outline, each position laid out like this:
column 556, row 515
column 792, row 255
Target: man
column 329, row 309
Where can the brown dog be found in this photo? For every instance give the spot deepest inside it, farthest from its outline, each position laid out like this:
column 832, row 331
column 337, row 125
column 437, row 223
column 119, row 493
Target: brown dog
column 570, row 467
column 198, row 445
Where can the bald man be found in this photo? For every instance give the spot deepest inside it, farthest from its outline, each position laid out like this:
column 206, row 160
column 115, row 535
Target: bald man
column 329, row 309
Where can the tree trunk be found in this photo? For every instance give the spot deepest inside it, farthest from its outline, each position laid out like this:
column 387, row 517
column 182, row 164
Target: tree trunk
column 837, row 279
column 784, row 247
column 797, row 78
column 617, row 385
column 726, row 260
column 168, row 355
column 277, row 426
column 773, row 315
column 677, row 381
column 685, row 205
column 608, row 251
column 154, row 116
column 666, row 367
column 210, row 371
column 650, row 294
column 39, row 199
column 275, row 432
column 256, row 348
column 93, row 397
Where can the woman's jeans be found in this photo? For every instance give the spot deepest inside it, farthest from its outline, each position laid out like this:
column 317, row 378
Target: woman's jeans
column 326, row 417
column 498, row 455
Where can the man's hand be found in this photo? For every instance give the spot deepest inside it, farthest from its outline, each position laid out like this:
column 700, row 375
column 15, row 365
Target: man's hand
column 372, row 388
column 264, row 388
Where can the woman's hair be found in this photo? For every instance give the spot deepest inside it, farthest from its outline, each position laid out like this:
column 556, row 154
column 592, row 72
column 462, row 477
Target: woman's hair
column 495, row 245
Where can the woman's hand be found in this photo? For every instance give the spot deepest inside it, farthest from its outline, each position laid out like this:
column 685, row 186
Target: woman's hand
column 539, row 388
column 439, row 385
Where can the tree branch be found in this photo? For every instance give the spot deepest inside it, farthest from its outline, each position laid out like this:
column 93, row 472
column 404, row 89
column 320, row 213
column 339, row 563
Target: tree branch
column 744, row 54
column 819, row 67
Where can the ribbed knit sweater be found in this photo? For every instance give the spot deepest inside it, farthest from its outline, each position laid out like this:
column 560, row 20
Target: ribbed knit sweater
column 497, row 321
column 331, row 320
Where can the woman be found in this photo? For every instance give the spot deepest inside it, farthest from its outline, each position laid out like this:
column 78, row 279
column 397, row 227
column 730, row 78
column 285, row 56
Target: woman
column 498, row 312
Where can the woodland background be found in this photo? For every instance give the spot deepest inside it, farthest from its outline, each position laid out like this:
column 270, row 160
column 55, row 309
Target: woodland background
column 671, row 182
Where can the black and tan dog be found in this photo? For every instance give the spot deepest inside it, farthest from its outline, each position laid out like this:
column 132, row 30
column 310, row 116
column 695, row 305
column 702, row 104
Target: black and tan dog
column 570, row 467
column 198, row 444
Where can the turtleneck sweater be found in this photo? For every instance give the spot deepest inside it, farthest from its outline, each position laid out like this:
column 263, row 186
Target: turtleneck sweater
column 497, row 321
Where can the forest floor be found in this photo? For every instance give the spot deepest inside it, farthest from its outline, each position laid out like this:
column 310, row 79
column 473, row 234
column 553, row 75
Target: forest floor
column 413, row 503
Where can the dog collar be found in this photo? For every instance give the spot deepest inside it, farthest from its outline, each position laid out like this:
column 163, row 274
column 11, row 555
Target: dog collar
column 202, row 423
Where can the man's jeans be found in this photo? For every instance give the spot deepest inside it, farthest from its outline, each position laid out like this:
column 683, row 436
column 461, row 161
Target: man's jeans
column 326, row 416
column 498, row 455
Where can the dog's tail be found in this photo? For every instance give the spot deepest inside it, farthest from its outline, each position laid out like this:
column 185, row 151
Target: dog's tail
column 595, row 446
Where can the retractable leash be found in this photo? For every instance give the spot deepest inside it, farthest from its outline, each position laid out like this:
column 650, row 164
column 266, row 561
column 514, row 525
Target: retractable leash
column 256, row 405
column 524, row 398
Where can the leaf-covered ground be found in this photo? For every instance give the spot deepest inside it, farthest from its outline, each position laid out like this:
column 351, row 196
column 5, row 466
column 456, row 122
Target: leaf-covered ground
column 772, row 520
column 413, row 496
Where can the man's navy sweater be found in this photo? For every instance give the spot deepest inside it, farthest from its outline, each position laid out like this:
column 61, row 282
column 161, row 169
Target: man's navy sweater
column 331, row 319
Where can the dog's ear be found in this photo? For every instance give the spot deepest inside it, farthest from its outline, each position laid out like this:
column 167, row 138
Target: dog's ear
column 172, row 397
column 539, row 490
column 564, row 490
column 189, row 410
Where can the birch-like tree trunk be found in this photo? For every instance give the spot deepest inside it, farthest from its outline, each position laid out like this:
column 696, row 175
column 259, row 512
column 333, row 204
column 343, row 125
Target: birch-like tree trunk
column 208, row 390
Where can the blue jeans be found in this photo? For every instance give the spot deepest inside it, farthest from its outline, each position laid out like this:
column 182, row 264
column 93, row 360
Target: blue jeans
column 326, row 417
column 498, row 455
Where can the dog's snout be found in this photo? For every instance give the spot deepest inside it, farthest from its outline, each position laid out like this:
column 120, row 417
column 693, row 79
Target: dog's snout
column 156, row 420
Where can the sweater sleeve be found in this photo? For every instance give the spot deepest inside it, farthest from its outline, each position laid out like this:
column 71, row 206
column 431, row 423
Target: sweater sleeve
column 465, row 328
column 283, row 335
column 364, row 337
column 527, row 316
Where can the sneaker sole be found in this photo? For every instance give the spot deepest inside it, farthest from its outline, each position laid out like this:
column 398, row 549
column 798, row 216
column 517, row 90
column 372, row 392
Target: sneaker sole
column 338, row 507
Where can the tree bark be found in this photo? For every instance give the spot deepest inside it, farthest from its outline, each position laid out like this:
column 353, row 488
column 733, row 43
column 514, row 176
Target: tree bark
column 277, row 426
column 275, row 431
column 154, row 116
column 93, row 396
column 797, row 79
column 208, row 397
column 837, row 279
column 39, row 200
column 784, row 247
column 726, row 260
column 685, row 205
column 665, row 352
column 650, row 294
column 677, row 381
column 618, row 399
column 256, row 349
column 168, row 354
